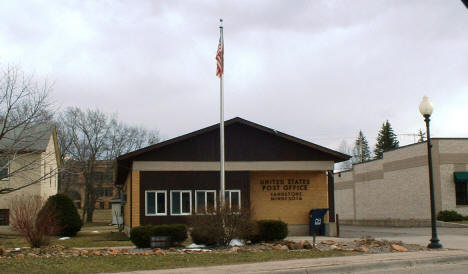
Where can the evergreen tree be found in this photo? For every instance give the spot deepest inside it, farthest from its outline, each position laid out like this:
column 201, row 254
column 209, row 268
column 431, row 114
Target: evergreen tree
column 387, row 140
column 361, row 152
column 421, row 136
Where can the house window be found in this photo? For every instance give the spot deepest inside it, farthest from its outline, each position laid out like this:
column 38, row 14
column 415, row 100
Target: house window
column 461, row 193
column 4, row 166
column 233, row 199
column 155, row 204
column 205, row 201
column 4, row 216
column 181, row 202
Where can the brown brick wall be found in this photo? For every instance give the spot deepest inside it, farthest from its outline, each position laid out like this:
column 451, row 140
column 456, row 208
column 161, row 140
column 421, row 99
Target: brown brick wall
column 275, row 195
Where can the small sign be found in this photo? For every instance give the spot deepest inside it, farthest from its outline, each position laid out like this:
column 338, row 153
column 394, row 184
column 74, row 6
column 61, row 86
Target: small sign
column 318, row 221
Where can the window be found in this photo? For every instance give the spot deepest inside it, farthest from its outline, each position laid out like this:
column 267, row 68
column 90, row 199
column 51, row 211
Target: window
column 4, row 216
column 4, row 166
column 205, row 201
column 104, row 192
column 233, row 199
column 461, row 193
column 155, row 204
column 181, row 202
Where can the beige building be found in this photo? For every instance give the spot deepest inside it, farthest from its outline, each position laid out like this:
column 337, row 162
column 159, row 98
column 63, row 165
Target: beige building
column 28, row 167
column 395, row 190
column 72, row 183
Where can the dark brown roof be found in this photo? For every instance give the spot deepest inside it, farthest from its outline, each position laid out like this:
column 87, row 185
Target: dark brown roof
column 340, row 156
column 124, row 161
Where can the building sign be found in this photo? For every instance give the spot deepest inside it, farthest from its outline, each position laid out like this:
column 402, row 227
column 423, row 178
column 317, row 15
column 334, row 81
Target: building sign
column 288, row 189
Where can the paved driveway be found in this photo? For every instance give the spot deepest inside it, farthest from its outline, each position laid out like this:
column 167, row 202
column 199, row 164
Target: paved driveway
column 456, row 238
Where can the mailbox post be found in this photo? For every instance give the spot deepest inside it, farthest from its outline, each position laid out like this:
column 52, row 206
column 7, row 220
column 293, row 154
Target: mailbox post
column 316, row 222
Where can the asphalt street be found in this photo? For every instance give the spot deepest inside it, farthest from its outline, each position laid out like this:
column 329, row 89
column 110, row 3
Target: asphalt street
column 450, row 268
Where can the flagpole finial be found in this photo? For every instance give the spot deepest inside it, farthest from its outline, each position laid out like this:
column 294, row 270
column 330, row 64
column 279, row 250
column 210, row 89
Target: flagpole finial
column 220, row 22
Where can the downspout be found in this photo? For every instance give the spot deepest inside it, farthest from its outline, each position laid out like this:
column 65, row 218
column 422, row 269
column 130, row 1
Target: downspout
column 331, row 196
column 131, row 199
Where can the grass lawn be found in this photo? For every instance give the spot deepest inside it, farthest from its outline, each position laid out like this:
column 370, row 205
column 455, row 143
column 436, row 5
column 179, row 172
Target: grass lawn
column 462, row 222
column 83, row 239
column 134, row 262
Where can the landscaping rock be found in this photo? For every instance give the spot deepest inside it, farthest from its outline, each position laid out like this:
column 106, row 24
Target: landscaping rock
column 399, row 248
column 234, row 249
column 19, row 256
column 361, row 249
column 307, row 245
column 328, row 242
column 159, row 251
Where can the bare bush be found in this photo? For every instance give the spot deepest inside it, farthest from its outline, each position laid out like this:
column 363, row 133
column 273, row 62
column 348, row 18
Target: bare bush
column 222, row 226
column 27, row 219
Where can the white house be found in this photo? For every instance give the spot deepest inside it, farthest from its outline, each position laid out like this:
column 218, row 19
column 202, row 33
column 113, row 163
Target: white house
column 28, row 166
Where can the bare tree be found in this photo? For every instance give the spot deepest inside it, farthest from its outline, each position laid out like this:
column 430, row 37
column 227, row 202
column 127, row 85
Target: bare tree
column 346, row 149
column 92, row 135
column 24, row 125
column 32, row 223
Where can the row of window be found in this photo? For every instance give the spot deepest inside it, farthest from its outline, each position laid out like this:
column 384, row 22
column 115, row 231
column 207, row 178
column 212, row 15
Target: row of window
column 181, row 201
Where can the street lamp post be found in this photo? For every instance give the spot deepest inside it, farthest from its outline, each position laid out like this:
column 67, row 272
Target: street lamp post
column 425, row 107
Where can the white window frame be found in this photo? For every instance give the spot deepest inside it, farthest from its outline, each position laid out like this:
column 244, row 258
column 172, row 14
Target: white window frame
column 190, row 197
column 206, row 200
column 230, row 200
column 155, row 203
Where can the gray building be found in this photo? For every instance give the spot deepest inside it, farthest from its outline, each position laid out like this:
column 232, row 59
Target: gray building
column 395, row 190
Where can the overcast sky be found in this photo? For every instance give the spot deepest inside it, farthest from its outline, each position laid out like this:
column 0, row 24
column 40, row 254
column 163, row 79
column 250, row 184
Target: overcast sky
column 318, row 70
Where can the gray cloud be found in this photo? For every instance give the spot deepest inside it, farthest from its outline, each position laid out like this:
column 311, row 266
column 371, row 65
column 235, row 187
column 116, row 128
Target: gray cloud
column 320, row 70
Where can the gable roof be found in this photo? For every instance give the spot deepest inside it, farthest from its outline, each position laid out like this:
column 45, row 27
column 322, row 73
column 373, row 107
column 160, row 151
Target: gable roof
column 30, row 139
column 337, row 155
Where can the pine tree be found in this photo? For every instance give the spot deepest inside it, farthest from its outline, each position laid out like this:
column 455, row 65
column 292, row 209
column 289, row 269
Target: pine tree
column 421, row 136
column 361, row 152
column 387, row 140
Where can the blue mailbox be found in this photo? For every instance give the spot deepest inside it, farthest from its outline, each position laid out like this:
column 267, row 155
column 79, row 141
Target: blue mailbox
column 316, row 222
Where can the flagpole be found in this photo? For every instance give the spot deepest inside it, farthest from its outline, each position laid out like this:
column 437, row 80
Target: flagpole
column 221, row 124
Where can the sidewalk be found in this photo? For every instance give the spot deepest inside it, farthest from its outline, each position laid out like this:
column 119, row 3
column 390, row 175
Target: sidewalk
column 331, row 264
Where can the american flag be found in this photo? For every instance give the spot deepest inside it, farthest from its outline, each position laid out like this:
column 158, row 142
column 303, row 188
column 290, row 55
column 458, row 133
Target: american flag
column 220, row 58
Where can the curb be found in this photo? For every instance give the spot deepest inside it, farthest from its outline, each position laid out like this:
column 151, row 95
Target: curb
column 358, row 267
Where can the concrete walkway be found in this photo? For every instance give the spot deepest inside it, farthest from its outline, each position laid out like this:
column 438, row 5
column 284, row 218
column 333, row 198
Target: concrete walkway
column 331, row 265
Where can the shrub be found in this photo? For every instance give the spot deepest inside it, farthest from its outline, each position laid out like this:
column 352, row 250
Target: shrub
column 203, row 236
column 141, row 235
column 222, row 227
column 68, row 220
column 449, row 216
column 28, row 219
column 177, row 232
column 271, row 230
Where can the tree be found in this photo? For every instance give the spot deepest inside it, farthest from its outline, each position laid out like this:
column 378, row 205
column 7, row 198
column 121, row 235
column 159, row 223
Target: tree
column 361, row 151
column 346, row 149
column 386, row 140
column 421, row 136
column 25, row 115
column 92, row 135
